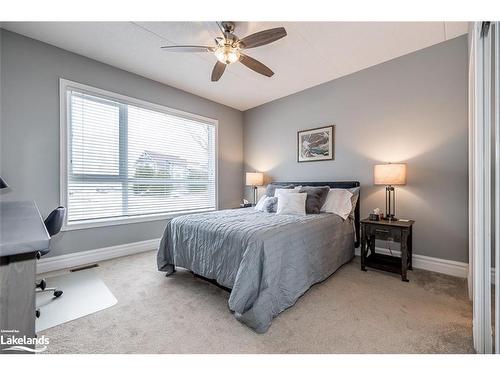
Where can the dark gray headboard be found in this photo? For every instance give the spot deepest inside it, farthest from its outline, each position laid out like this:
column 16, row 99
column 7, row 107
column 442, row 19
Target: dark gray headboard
column 334, row 185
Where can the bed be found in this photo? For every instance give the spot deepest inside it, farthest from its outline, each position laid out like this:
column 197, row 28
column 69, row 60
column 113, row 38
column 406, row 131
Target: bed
column 266, row 261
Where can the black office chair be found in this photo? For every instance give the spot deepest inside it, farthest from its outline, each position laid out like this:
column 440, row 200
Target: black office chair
column 53, row 223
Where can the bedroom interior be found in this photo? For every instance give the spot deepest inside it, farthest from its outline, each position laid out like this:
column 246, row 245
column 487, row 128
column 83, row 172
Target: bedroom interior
column 249, row 187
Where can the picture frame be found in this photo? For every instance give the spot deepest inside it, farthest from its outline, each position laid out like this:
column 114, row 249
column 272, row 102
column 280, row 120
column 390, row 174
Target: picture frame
column 316, row 144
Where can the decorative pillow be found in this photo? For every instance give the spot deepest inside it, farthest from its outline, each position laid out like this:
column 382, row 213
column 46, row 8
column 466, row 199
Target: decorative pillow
column 292, row 204
column 260, row 204
column 316, row 197
column 279, row 191
column 271, row 204
column 338, row 201
column 271, row 188
column 354, row 200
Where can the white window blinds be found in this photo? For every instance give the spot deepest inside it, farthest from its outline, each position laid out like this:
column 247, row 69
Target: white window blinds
column 130, row 161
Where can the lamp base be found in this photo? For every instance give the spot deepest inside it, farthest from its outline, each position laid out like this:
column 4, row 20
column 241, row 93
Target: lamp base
column 390, row 204
column 390, row 218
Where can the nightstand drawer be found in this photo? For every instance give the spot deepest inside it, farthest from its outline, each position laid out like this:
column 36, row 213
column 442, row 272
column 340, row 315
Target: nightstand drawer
column 384, row 233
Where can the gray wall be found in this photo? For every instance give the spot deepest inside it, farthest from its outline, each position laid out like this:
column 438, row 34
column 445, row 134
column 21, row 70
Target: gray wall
column 30, row 72
column 411, row 109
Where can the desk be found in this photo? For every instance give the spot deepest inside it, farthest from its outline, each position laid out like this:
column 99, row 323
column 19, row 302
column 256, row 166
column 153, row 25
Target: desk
column 22, row 235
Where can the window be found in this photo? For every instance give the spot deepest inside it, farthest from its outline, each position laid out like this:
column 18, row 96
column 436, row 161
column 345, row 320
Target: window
column 125, row 160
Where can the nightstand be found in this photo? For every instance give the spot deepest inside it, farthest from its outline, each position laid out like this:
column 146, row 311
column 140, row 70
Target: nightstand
column 397, row 231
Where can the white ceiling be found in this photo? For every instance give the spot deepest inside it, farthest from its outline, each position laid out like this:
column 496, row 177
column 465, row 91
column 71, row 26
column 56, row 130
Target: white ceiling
column 311, row 53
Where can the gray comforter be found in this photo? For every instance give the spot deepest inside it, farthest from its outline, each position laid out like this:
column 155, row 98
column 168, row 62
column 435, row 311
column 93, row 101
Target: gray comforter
column 267, row 260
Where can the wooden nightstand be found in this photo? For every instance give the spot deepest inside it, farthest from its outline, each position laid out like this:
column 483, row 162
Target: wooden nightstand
column 397, row 231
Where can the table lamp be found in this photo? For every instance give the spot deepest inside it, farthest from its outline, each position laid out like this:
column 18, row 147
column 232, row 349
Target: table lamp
column 389, row 175
column 254, row 179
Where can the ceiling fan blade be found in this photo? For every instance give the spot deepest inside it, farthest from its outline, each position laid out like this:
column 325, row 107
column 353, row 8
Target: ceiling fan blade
column 218, row 71
column 263, row 37
column 221, row 28
column 187, row 48
column 255, row 65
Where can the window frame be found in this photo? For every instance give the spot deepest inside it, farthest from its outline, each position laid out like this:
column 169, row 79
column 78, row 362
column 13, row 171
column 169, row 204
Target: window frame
column 64, row 125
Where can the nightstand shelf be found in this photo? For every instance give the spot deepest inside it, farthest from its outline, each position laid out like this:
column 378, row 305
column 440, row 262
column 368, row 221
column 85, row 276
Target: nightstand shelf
column 397, row 231
column 384, row 262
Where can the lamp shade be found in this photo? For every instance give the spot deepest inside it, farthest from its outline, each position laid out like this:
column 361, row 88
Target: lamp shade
column 3, row 184
column 254, row 179
column 389, row 174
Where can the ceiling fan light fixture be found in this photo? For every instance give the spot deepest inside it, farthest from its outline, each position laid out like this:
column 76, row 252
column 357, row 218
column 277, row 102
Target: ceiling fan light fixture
column 228, row 49
column 227, row 54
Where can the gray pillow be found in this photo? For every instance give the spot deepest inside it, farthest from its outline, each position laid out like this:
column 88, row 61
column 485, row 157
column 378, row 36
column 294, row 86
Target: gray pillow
column 270, row 204
column 316, row 197
column 271, row 188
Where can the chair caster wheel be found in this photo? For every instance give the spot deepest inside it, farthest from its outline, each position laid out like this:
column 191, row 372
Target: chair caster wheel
column 58, row 293
column 42, row 284
column 37, row 313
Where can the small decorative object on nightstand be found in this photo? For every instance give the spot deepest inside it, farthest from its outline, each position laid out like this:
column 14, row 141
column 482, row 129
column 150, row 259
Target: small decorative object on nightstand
column 245, row 204
column 254, row 179
column 397, row 231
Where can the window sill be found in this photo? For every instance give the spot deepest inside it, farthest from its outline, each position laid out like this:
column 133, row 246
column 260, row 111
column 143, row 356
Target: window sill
column 129, row 220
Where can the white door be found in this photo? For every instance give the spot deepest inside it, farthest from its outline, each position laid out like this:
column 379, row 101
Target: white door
column 484, row 172
column 484, row 185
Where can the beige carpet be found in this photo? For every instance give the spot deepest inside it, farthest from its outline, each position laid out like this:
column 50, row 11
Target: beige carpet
column 351, row 312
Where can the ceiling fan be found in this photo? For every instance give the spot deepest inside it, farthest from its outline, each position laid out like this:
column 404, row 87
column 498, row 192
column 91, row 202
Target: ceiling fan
column 228, row 48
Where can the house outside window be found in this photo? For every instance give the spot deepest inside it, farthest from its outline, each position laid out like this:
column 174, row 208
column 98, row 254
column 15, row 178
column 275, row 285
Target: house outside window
column 125, row 160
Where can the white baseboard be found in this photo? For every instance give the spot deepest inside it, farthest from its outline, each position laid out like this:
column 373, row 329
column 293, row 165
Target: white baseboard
column 82, row 258
column 448, row 267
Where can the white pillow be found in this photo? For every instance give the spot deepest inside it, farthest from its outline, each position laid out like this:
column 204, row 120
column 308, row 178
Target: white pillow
column 292, row 204
column 264, row 204
column 260, row 204
column 279, row 192
column 338, row 201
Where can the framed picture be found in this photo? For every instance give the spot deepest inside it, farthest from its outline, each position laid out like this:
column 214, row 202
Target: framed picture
column 316, row 144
